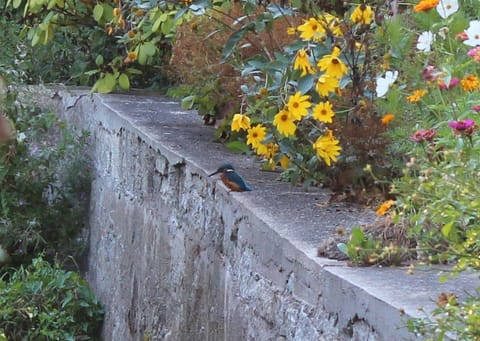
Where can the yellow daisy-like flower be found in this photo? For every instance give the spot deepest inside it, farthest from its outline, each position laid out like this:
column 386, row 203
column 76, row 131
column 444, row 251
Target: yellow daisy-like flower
column 326, row 84
column 132, row 55
column 256, row 135
column 332, row 23
column 417, row 95
column 240, row 122
column 387, row 118
column 291, row 31
column 268, row 150
column 298, row 105
column 312, row 29
column 332, row 64
column 323, row 112
column 284, row 161
column 384, row 207
column 425, row 5
column 284, row 122
column 327, row 148
column 362, row 14
column 470, row 83
column 302, row 62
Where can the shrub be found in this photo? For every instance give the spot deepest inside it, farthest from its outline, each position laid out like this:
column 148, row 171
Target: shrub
column 45, row 184
column 44, row 302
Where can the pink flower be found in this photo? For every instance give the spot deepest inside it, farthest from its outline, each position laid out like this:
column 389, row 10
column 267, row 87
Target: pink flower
column 461, row 36
column 453, row 82
column 429, row 73
column 475, row 54
column 423, row 135
column 466, row 126
column 476, row 108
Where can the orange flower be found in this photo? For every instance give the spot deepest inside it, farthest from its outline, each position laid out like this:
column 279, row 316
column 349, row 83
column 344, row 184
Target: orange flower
column 470, row 83
column 386, row 119
column 417, row 95
column 384, row 207
column 425, row 5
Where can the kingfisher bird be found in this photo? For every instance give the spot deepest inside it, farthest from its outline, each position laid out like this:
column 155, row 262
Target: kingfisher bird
column 232, row 179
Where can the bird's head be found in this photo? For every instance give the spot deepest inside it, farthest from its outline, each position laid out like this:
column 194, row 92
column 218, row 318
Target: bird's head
column 223, row 168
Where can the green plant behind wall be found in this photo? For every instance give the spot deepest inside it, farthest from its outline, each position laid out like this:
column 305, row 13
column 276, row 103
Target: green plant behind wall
column 43, row 302
column 44, row 181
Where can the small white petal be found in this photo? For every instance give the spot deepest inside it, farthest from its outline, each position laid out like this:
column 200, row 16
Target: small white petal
column 473, row 33
column 383, row 83
column 425, row 41
column 445, row 8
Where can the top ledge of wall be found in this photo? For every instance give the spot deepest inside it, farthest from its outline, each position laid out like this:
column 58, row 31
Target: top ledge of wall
column 296, row 215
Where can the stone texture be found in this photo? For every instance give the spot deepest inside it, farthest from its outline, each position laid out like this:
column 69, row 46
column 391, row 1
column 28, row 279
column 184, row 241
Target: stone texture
column 175, row 256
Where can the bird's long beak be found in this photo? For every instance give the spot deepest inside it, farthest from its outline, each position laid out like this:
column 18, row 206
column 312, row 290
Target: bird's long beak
column 215, row 173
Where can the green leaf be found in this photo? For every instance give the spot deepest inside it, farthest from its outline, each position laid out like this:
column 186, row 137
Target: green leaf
column 168, row 26
column 238, row 147
column 233, row 41
column 149, row 49
column 447, row 228
column 99, row 60
column 357, row 237
column 124, row 81
column 343, row 248
column 97, row 12
column 106, row 84
column 188, row 102
column 305, row 83
column 16, row 3
column 156, row 25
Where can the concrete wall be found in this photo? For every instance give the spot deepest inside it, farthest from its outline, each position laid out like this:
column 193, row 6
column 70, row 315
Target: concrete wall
column 175, row 256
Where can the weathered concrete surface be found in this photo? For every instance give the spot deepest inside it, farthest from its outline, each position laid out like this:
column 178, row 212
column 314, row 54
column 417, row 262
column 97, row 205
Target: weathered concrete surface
column 175, row 256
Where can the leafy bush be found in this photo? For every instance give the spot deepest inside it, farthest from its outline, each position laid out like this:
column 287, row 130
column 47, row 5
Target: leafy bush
column 107, row 44
column 44, row 184
column 44, row 302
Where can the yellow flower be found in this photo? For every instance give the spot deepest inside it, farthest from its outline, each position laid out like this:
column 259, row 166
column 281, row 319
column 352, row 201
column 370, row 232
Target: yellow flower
column 312, row 29
column 332, row 64
column 132, row 55
column 470, row 83
column 117, row 12
column 327, row 148
column 425, row 5
column 291, row 31
column 385, row 207
column 302, row 62
column 326, row 84
column 386, row 119
column 417, row 95
column 323, row 112
column 284, row 161
column 298, row 105
column 256, row 135
column 284, row 123
column 362, row 14
column 268, row 150
column 240, row 122
column 332, row 23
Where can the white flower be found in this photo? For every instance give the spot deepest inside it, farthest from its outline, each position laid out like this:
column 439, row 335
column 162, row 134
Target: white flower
column 473, row 33
column 383, row 83
column 425, row 41
column 21, row 137
column 445, row 8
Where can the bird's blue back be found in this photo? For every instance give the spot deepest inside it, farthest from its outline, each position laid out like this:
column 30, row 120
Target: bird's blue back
column 233, row 177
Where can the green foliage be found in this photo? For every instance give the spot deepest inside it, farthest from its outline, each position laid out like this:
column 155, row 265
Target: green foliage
column 107, row 44
column 44, row 185
column 44, row 302
column 451, row 320
column 366, row 249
